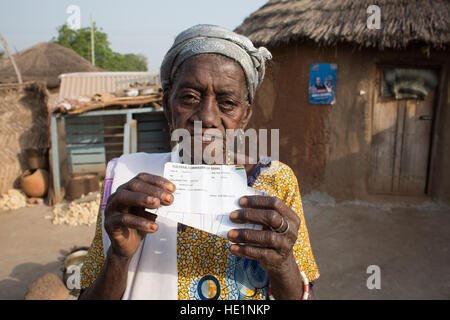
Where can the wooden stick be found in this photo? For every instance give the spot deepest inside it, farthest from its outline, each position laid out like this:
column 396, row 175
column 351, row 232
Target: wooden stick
column 5, row 45
column 88, row 106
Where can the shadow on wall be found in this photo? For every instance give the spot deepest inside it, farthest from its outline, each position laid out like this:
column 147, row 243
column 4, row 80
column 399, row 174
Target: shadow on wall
column 32, row 116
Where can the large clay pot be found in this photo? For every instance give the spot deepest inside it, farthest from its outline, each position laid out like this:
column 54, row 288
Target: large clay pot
column 35, row 182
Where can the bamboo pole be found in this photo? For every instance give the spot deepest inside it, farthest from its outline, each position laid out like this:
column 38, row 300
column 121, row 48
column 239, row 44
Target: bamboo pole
column 11, row 58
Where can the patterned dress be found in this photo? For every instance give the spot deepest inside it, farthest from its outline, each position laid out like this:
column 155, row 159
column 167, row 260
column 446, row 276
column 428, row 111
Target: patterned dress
column 206, row 268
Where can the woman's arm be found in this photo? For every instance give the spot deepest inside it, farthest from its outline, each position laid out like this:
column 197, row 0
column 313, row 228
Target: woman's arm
column 111, row 281
column 286, row 282
column 127, row 223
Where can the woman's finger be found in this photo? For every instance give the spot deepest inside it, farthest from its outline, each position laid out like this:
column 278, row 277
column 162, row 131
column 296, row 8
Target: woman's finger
column 264, row 202
column 272, row 203
column 137, row 185
column 158, row 181
column 264, row 217
column 124, row 199
column 263, row 238
column 118, row 221
column 141, row 212
column 265, row 256
column 139, row 223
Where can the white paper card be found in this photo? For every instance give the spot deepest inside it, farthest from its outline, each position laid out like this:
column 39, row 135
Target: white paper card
column 206, row 195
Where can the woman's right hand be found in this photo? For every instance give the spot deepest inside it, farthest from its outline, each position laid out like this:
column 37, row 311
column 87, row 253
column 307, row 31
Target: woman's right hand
column 126, row 220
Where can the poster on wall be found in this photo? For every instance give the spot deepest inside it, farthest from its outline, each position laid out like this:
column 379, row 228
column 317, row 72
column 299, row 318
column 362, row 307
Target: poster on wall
column 322, row 83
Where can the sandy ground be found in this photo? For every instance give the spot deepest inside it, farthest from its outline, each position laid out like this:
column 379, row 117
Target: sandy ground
column 410, row 245
column 31, row 245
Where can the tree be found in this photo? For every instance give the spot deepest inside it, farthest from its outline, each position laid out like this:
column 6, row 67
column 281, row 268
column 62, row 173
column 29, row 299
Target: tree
column 2, row 54
column 80, row 42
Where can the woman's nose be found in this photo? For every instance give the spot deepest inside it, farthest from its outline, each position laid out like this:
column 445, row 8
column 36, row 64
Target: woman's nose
column 209, row 112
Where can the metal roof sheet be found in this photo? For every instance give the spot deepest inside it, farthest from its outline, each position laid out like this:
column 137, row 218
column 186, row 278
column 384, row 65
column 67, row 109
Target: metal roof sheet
column 82, row 84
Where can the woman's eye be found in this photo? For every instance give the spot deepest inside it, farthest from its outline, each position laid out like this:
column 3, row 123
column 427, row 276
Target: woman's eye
column 228, row 104
column 189, row 98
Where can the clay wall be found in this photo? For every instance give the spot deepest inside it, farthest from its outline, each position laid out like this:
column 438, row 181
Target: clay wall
column 328, row 146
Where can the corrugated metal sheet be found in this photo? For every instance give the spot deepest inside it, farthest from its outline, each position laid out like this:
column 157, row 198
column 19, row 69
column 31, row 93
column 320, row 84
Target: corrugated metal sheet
column 82, row 84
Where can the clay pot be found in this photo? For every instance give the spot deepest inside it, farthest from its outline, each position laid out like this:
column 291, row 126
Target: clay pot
column 82, row 185
column 34, row 182
column 73, row 261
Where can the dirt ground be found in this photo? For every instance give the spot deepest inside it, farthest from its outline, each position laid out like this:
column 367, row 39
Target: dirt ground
column 31, row 245
column 410, row 245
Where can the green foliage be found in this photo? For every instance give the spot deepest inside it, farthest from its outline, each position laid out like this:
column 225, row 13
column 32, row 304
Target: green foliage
column 105, row 57
column 2, row 54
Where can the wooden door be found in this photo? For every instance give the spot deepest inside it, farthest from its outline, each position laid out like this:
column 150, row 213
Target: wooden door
column 400, row 147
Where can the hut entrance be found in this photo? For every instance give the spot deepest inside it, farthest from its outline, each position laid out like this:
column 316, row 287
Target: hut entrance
column 401, row 134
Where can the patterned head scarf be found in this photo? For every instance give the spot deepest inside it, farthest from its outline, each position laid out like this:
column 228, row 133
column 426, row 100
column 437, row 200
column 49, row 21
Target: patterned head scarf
column 204, row 38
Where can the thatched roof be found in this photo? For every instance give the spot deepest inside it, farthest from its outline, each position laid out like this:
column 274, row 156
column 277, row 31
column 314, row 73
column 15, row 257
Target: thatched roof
column 328, row 22
column 44, row 61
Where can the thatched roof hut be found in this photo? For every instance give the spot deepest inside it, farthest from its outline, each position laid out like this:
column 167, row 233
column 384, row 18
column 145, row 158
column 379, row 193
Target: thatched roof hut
column 373, row 140
column 404, row 22
column 44, row 62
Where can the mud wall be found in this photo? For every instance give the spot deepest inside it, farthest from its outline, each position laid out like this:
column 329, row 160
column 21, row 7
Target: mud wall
column 328, row 147
column 23, row 124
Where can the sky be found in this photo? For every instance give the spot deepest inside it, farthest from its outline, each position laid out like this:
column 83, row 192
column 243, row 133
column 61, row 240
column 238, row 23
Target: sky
column 147, row 27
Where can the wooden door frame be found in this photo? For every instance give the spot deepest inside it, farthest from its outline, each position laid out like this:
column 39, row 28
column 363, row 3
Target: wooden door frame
column 437, row 109
column 437, row 118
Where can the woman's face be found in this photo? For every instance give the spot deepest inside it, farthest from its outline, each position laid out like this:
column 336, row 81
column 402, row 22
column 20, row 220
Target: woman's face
column 211, row 89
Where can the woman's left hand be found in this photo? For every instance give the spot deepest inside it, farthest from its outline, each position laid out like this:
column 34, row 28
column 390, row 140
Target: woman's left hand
column 272, row 246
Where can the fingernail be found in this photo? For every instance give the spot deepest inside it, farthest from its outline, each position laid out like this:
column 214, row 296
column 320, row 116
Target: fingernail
column 150, row 200
column 232, row 234
column 234, row 214
column 243, row 201
column 167, row 197
column 170, row 187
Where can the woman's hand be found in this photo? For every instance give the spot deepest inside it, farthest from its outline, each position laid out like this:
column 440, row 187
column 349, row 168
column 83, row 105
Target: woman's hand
column 272, row 246
column 126, row 220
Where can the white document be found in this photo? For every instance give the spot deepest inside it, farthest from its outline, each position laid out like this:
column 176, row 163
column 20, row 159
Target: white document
column 206, row 195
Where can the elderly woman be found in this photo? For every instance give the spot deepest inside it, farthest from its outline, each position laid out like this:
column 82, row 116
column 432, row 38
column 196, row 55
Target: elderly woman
column 210, row 75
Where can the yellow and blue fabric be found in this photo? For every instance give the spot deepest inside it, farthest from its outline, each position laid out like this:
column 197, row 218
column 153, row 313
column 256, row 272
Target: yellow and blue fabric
column 206, row 268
